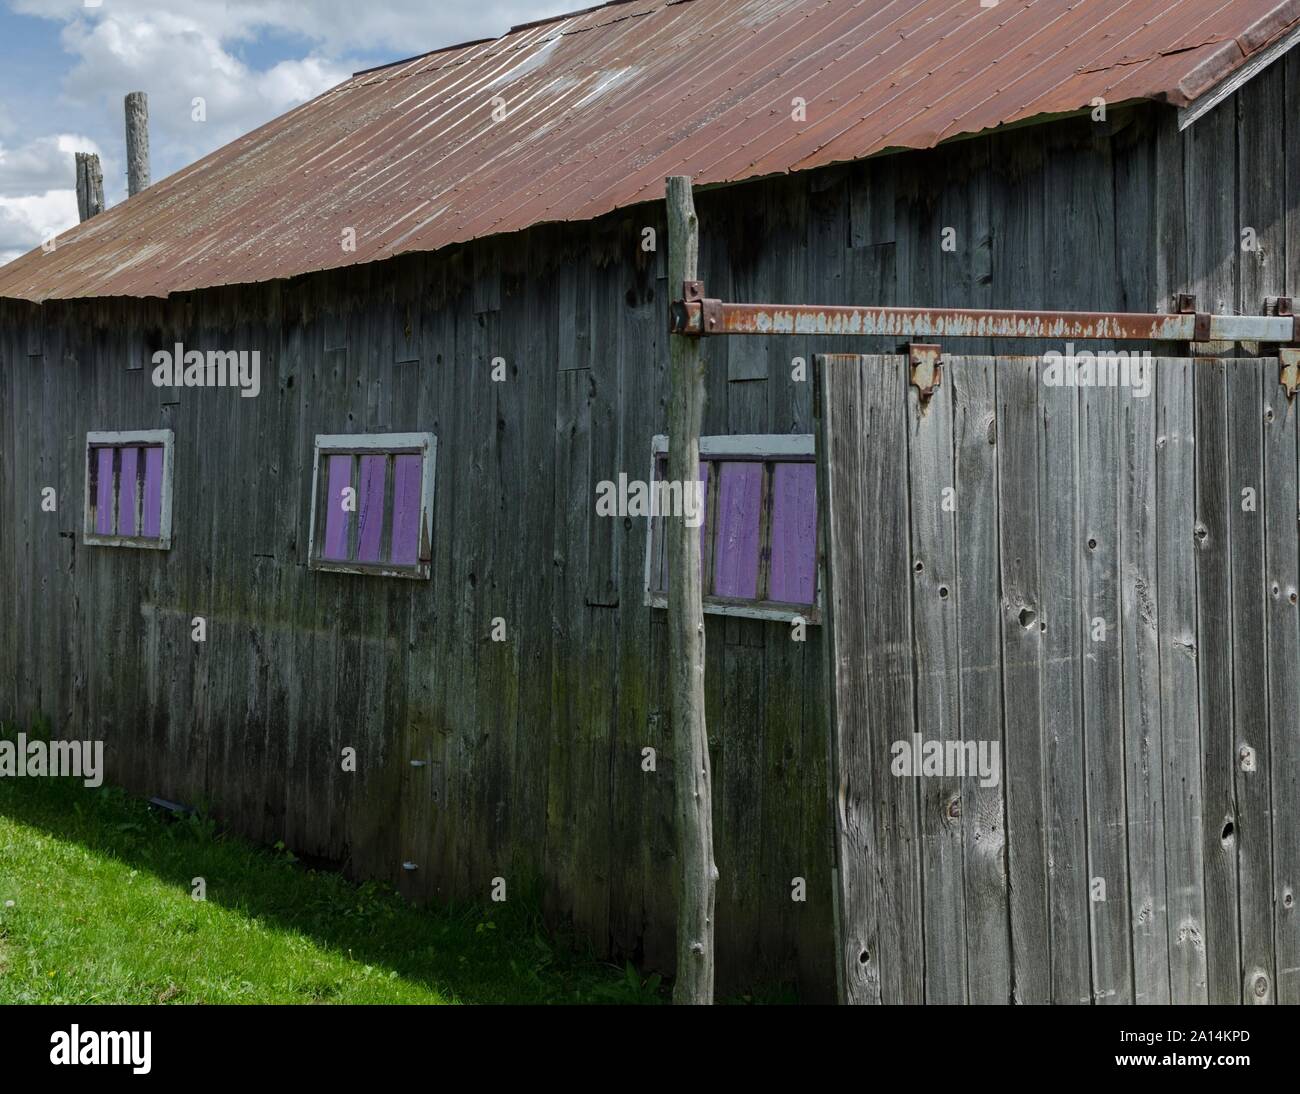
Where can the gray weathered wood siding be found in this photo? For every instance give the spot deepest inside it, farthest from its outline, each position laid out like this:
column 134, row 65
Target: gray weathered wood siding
column 1138, row 843
column 534, row 744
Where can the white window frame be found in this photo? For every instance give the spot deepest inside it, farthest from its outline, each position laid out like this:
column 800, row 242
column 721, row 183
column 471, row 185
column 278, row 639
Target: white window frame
column 338, row 444
column 748, row 446
column 140, row 437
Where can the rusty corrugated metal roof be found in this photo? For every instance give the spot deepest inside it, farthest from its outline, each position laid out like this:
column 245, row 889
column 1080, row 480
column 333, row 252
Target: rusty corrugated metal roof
column 601, row 105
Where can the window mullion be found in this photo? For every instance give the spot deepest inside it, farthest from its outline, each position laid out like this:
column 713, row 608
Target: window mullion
column 765, row 533
column 708, row 563
column 354, row 525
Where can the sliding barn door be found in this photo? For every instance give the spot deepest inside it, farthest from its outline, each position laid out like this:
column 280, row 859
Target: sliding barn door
column 1064, row 681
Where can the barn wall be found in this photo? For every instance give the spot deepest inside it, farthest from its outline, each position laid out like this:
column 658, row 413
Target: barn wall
column 534, row 744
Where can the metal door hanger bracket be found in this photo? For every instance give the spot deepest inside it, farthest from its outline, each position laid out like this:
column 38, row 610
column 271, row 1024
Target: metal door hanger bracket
column 709, row 317
column 927, row 371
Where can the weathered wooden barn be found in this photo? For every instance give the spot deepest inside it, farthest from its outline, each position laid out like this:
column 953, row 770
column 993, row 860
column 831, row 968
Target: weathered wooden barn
column 452, row 270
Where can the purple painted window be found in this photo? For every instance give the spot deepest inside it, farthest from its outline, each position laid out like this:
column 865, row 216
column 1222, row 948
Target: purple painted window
column 103, row 459
column 759, row 536
column 793, row 551
column 659, row 562
column 406, row 510
column 339, row 507
column 370, row 507
column 126, row 491
column 735, row 544
column 153, row 491
column 372, row 503
column 128, row 481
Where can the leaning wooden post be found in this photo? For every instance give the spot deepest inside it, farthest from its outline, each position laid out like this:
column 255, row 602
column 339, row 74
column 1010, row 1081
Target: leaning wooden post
column 90, row 185
column 697, row 874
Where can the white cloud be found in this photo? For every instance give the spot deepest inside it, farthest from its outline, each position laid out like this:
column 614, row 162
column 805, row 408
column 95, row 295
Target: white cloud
column 42, row 165
column 337, row 27
column 177, row 60
column 26, row 221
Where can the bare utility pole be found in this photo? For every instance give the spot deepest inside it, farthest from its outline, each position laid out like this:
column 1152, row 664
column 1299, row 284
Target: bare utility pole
column 90, row 185
column 137, row 142
column 693, row 781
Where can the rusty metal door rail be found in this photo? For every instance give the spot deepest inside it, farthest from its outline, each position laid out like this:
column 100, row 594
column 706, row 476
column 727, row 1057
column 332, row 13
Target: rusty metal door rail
column 695, row 314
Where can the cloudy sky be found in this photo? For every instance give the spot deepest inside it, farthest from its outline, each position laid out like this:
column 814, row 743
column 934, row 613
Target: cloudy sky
column 66, row 64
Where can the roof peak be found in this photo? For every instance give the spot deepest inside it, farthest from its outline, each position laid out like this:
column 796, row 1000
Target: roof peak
column 533, row 25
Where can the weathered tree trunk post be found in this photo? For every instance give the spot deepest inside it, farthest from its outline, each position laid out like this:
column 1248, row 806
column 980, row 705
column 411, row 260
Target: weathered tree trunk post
column 90, row 185
column 137, row 142
column 697, row 874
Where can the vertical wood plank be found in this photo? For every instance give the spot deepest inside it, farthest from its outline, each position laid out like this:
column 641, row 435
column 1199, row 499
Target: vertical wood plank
column 1062, row 731
column 1250, row 835
column 1179, row 713
column 935, row 644
column 1027, row 818
column 979, row 613
column 1103, row 709
column 843, row 434
column 1214, row 500
column 1143, row 748
column 1282, row 577
column 890, row 706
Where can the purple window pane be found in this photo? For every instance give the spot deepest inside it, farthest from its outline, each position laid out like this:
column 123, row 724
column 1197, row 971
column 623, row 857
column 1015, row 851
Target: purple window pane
column 336, row 517
column 103, row 490
column 659, row 547
column 793, row 575
column 735, row 547
column 126, row 491
column 370, row 507
column 406, row 510
column 153, row 478
column 704, row 512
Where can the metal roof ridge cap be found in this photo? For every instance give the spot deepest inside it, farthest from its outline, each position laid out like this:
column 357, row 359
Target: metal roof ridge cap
column 1208, row 73
column 1267, row 27
column 416, row 57
column 664, row 4
column 1223, row 61
column 585, row 11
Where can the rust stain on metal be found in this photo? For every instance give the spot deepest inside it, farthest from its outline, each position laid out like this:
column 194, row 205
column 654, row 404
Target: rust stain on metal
column 926, row 365
column 767, row 319
column 701, row 316
column 573, row 117
column 1289, row 373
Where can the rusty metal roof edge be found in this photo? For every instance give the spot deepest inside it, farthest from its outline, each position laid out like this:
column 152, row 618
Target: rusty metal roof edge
column 1238, row 51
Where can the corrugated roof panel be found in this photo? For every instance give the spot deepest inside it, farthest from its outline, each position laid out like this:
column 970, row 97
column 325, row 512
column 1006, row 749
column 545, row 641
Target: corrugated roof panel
column 602, row 104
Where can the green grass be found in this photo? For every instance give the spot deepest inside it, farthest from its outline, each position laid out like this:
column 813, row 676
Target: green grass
column 96, row 907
